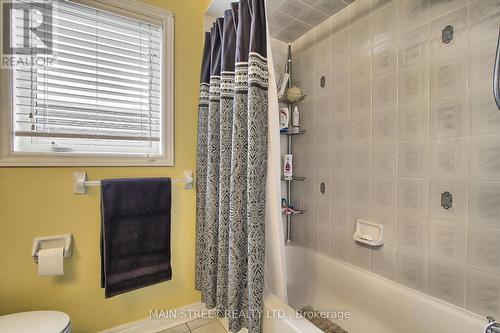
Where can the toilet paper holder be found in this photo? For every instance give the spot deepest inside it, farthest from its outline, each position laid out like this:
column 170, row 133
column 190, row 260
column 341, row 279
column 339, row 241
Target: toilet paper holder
column 49, row 242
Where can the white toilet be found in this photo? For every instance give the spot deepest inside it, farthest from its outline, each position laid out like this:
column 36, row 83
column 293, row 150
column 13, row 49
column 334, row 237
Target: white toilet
column 35, row 322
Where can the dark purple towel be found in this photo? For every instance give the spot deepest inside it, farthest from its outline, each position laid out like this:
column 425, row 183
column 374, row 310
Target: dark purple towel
column 135, row 233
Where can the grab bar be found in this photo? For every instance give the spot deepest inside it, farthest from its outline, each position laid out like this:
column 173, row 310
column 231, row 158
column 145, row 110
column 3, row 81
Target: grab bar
column 496, row 74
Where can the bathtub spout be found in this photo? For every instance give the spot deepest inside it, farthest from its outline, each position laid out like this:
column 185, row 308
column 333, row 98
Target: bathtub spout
column 492, row 327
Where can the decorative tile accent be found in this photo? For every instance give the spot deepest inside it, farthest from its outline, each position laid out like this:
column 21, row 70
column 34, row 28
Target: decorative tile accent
column 385, row 24
column 359, row 255
column 484, row 204
column 340, row 130
column 384, row 160
column 457, row 19
column 360, row 64
column 340, row 103
column 447, row 240
column 440, row 8
column 340, row 247
column 413, row 196
column 360, row 191
column 340, row 216
column 414, row 122
column 414, row 47
column 448, row 117
column 482, row 59
column 341, row 160
column 446, row 281
column 484, row 158
column 484, row 16
column 412, row 233
column 360, row 129
column 414, row 159
column 384, row 262
column 411, row 270
column 384, row 92
column 483, row 293
column 412, row 13
column 449, row 159
column 385, row 58
column 413, row 84
column 484, row 115
column 449, row 76
column 458, row 190
column 361, row 99
column 385, row 193
column 384, row 126
column 483, row 245
column 389, row 220
column 360, row 160
column 360, row 36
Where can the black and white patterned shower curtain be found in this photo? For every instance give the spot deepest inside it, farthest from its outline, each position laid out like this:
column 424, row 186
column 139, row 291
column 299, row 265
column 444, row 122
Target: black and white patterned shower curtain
column 232, row 165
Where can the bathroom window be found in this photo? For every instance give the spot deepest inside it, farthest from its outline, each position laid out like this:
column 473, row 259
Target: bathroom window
column 89, row 83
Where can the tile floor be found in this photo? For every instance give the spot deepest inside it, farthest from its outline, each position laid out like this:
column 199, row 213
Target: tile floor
column 202, row 325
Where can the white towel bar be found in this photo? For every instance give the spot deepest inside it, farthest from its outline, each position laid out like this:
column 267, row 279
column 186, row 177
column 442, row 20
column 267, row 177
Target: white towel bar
column 80, row 182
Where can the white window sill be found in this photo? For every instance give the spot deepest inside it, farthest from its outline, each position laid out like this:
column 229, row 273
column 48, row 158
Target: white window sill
column 30, row 160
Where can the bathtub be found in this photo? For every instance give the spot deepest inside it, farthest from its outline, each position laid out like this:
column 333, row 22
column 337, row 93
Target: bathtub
column 281, row 318
column 377, row 305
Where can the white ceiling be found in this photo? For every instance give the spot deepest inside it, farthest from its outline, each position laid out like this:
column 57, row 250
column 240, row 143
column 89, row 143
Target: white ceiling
column 290, row 19
column 217, row 7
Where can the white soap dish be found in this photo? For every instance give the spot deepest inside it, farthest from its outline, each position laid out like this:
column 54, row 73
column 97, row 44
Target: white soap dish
column 369, row 233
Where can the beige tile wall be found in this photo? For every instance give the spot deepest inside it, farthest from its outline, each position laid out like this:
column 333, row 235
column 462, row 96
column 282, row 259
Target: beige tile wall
column 404, row 117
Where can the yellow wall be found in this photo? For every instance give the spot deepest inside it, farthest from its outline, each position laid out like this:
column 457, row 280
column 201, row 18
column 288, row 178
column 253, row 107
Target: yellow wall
column 39, row 202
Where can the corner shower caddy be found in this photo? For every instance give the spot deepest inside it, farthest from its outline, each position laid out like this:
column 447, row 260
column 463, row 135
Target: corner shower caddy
column 289, row 135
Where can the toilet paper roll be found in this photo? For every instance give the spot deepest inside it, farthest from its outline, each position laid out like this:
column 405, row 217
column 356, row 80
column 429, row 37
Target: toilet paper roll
column 50, row 262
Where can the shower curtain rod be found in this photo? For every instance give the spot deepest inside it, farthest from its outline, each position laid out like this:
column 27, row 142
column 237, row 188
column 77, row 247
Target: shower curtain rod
column 80, row 182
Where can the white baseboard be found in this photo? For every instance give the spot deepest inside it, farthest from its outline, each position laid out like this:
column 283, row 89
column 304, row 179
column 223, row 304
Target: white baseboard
column 154, row 325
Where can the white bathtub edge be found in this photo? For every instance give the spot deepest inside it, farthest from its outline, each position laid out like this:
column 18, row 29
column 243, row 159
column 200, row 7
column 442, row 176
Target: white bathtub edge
column 295, row 323
column 330, row 279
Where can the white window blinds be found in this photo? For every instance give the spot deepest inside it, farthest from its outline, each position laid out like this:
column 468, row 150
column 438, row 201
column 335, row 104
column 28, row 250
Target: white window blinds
column 101, row 95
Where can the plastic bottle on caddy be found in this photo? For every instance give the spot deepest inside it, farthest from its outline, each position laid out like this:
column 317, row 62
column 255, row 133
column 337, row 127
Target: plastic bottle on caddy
column 288, row 167
column 296, row 119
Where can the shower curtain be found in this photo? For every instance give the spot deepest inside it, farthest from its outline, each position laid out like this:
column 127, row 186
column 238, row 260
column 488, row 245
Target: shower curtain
column 232, row 166
column 275, row 267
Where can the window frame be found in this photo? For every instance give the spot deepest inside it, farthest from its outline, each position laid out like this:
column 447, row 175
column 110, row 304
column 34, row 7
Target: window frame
column 133, row 9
